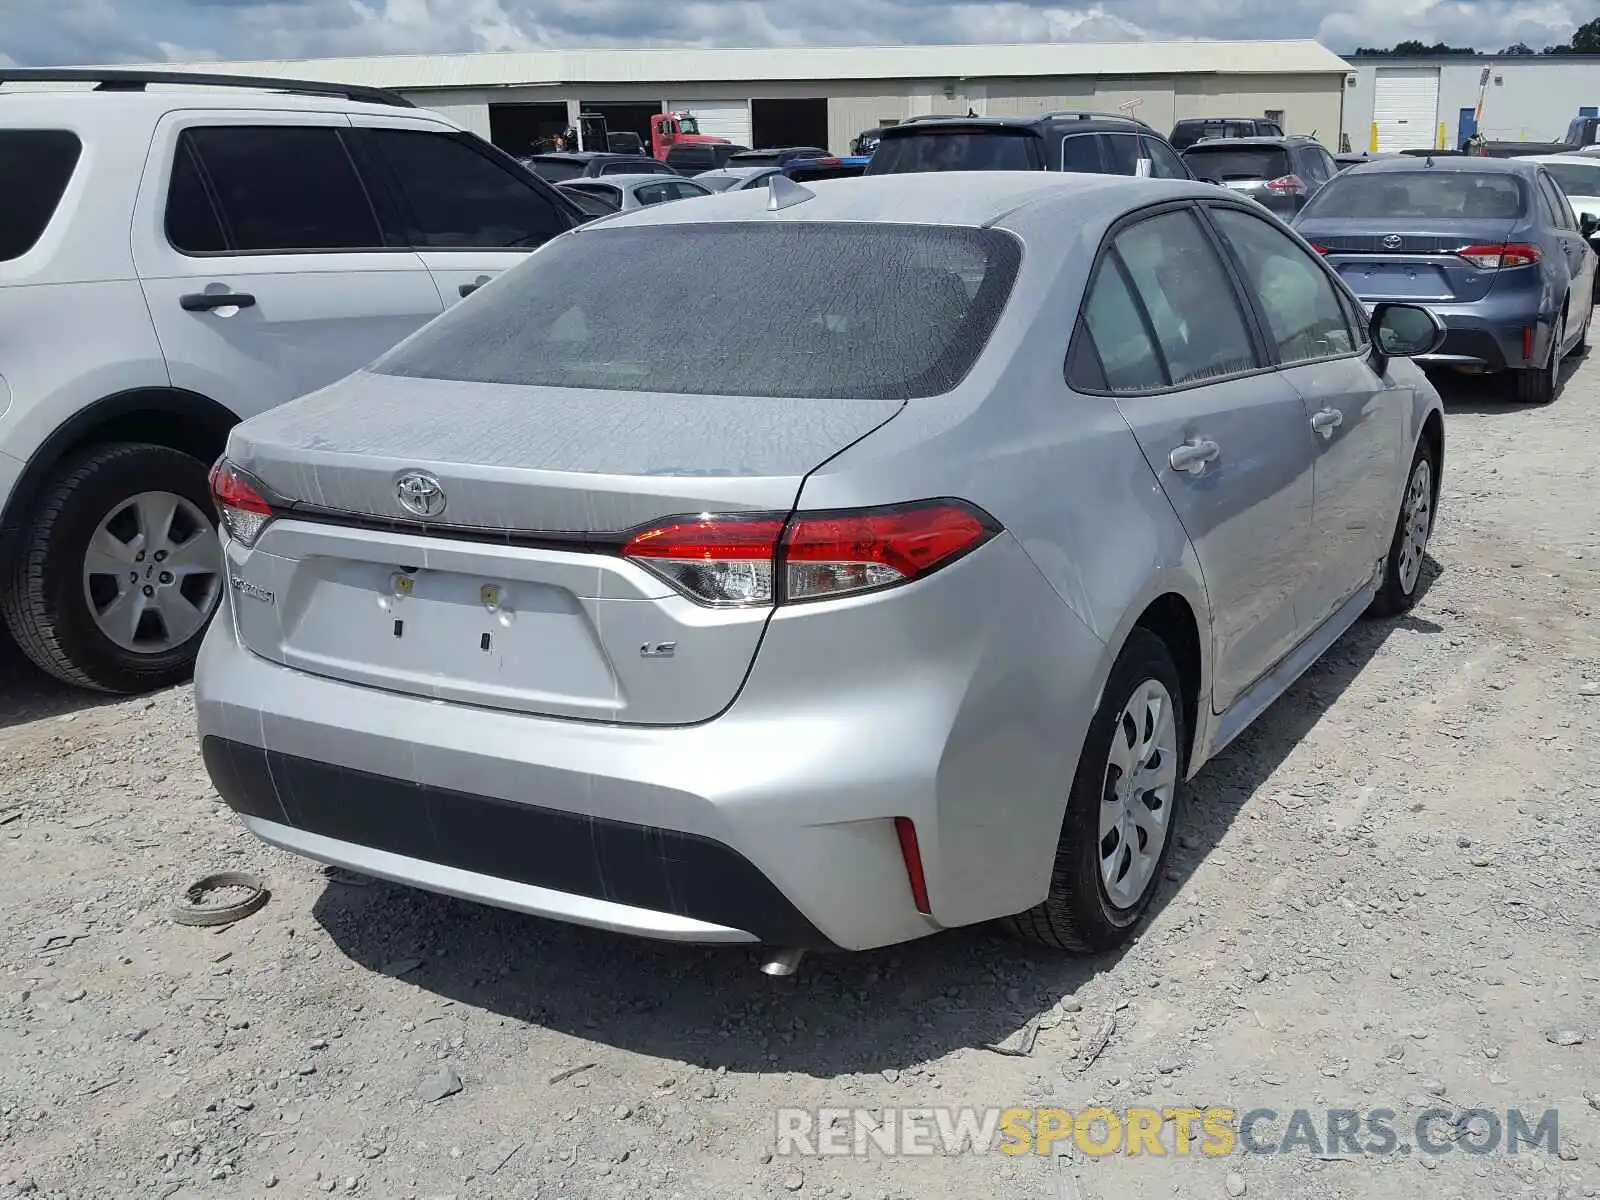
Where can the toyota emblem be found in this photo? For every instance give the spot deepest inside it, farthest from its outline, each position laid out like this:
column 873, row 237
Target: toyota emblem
column 1392, row 242
column 419, row 494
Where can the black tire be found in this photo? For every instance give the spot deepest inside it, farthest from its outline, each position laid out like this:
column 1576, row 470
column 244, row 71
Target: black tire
column 1538, row 385
column 1077, row 914
column 43, row 601
column 1394, row 597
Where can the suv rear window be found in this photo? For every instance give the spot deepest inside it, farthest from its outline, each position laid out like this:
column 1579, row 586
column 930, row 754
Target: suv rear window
column 1237, row 162
column 35, row 167
column 1425, row 194
column 956, row 149
column 556, row 169
column 793, row 309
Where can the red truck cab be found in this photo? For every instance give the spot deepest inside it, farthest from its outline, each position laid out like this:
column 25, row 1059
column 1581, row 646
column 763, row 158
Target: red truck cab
column 674, row 128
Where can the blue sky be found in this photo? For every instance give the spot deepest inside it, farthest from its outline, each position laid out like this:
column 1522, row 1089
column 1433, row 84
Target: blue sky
column 49, row 32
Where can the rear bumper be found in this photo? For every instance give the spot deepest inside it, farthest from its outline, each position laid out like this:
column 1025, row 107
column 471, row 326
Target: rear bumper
column 1490, row 337
column 958, row 702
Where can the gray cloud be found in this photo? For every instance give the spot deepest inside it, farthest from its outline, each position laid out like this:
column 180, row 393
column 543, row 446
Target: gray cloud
column 67, row 31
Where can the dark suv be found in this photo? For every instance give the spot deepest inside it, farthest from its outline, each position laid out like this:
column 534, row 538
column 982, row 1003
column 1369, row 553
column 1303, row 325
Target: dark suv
column 1191, row 129
column 1088, row 142
column 1281, row 173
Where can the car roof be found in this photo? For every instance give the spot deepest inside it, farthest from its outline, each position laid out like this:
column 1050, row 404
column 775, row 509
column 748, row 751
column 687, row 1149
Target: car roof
column 581, row 155
column 972, row 199
column 1464, row 163
column 1089, row 120
column 1219, row 120
column 625, row 179
column 1585, row 160
column 1258, row 140
column 84, row 103
column 741, row 172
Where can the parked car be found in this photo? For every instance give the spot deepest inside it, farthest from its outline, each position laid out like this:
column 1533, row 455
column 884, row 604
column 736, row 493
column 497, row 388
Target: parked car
column 558, row 166
column 622, row 192
column 819, row 607
column 1491, row 245
column 1279, row 173
column 627, row 142
column 1192, row 129
column 808, row 170
column 591, row 204
column 1582, row 132
column 731, row 179
column 777, row 156
column 693, row 158
column 1347, row 159
column 865, row 142
column 1096, row 143
column 1578, row 176
column 172, row 261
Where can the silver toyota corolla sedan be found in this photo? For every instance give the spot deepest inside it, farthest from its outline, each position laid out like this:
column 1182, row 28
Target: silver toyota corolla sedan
column 818, row 568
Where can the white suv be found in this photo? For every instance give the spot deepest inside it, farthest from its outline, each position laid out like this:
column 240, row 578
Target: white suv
column 177, row 253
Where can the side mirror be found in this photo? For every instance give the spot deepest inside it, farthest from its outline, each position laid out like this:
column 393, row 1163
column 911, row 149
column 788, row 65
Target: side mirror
column 1405, row 330
column 1589, row 224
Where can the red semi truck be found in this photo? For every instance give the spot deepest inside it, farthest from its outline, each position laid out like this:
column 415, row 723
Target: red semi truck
column 671, row 129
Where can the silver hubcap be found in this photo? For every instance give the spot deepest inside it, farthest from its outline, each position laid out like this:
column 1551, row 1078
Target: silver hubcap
column 1416, row 521
column 1141, row 775
column 153, row 572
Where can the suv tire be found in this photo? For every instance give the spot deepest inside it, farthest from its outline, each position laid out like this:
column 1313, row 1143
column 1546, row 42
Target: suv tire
column 1079, row 913
column 50, row 600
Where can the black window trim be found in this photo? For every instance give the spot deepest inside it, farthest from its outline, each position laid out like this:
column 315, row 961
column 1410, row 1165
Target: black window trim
column 384, row 178
column 1341, row 290
column 182, row 144
column 1106, row 252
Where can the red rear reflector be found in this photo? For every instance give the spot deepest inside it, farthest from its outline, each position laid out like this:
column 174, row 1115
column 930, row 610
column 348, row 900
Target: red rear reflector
column 912, row 854
column 1527, row 342
column 1495, row 255
column 1287, row 185
column 734, row 560
column 243, row 510
column 1320, row 248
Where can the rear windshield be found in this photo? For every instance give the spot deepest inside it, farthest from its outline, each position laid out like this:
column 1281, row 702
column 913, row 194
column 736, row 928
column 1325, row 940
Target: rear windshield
column 1237, row 162
column 556, row 169
column 35, row 166
column 758, row 158
column 795, row 309
column 1427, row 194
column 835, row 171
column 956, row 150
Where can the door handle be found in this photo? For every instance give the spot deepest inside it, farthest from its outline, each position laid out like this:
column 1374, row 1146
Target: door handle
column 466, row 289
column 1193, row 455
column 1326, row 421
column 206, row 301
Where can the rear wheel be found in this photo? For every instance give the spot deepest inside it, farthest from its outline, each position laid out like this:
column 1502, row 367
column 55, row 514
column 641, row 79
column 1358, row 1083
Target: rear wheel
column 119, row 571
column 1537, row 385
column 1117, row 830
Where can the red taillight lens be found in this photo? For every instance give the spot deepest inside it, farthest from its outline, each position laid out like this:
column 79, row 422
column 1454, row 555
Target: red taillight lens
column 1287, row 185
column 1494, row 256
column 244, row 511
column 1320, row 248
column 735, row 560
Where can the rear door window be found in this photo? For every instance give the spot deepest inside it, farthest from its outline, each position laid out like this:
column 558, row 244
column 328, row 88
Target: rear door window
column 458, row 197
column 35, row 167
column 1122, row 153
column 1123, row 343
column 281, row 188
column 1083, row 153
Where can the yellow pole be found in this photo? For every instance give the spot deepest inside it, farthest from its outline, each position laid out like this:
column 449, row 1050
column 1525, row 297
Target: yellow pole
column 1374, row 146
column 1440, row 146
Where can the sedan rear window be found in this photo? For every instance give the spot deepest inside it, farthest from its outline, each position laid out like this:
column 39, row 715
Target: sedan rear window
column 35, row 167
column 959, row 149
column 793, row 309
column 1428, row 194
column 556, row 169
column 1237, row 162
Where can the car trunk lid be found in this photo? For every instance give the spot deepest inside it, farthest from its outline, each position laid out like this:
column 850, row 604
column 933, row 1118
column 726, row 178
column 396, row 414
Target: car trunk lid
column 1409, row 260
column 510, row 592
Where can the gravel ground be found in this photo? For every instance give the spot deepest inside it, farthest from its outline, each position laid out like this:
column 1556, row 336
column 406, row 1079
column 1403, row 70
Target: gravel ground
column 1385, row 897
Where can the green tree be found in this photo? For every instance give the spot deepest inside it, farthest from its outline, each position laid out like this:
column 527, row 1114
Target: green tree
column 1517, row 48
column 1586, row 40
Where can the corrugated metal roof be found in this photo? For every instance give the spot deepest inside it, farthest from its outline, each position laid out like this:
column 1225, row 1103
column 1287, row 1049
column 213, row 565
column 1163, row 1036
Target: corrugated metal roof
column 412, row 72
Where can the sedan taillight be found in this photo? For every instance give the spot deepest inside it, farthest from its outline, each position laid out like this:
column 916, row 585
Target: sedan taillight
column 240, row 505
column 1287, row 185
column 747, row 561
column 1492, row 257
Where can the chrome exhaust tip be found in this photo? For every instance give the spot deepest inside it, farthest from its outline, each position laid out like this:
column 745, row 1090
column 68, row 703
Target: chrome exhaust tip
column 783, row 963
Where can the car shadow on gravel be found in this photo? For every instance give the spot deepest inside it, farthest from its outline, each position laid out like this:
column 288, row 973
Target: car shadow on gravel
column 1490, row 395
column 27, row 694
column 842, row 1014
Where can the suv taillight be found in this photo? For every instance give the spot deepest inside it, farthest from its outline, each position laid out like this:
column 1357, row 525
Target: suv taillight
column 1492, row 257
column 747, row 561
column 1287, row 185
column 240, row 505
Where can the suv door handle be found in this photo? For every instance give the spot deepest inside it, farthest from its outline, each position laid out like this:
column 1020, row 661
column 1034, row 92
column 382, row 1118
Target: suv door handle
column 206, row 301
column 466, row 289
column 1326, row 421
column 1193, row 455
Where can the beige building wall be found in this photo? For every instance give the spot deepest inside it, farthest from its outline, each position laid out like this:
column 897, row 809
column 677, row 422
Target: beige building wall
column 1310, row 103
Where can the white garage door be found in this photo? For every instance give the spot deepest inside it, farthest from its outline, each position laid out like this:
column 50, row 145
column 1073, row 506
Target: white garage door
column 718, row 118
column 1406, row 109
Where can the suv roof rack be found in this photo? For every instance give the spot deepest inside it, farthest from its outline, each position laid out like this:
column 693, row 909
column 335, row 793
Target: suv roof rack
column 121, row 80
column 1088, row 114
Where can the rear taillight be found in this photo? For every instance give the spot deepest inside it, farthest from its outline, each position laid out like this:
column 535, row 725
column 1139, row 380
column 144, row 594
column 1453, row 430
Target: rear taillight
column 1494, row 256
column 1287, row 185
column 1320, row 248
column 748, row 561
column 244, row 511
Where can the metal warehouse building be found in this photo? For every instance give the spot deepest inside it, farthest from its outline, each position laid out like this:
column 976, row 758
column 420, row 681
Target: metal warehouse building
column 1413, row 104
column 825, row 96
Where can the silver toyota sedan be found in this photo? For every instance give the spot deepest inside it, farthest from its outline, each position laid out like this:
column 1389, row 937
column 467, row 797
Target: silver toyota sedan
column 818, row 567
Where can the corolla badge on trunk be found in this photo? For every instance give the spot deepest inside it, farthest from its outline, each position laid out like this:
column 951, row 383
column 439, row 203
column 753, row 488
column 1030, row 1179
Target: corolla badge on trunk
column 419, row 494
